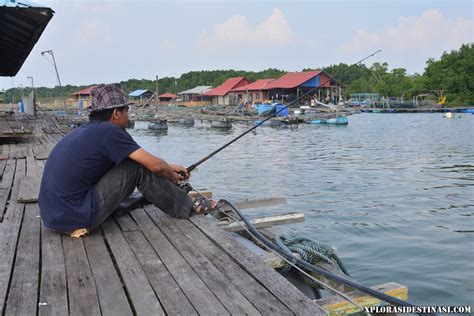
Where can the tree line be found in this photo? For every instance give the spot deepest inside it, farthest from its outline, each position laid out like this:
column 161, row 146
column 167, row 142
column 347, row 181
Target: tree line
column 453, row 73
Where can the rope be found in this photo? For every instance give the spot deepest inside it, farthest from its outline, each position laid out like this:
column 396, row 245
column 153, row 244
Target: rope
column 311, row 252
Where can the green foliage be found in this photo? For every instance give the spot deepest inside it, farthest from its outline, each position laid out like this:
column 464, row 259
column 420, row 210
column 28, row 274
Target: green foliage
column 453, row 73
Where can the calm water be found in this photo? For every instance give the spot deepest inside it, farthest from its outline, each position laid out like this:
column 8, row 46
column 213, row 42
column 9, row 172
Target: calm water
column 394, row 193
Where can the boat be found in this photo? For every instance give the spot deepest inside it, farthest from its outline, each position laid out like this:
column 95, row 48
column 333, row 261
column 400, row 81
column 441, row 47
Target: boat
column 158, row 125
column 449, row 115
column 341, row 120
column 223, row 124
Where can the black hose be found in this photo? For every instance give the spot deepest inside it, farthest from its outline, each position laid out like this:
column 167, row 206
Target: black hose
column 327, row 274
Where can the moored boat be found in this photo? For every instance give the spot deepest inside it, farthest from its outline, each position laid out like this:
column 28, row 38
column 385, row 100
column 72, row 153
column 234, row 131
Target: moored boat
column 341, row 120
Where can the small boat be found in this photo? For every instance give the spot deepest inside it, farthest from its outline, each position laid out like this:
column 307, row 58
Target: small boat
column 223, row 124
column 158, row 125
column 449, row 115
column 341, row 120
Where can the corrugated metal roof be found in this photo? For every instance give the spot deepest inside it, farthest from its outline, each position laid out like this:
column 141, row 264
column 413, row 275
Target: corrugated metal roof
column 197, row 90
column 138, row 93
column 293, row 79
column 85, row 91
column 21, row 25
column 260, row 84
column 228, row 85
column 168, row 95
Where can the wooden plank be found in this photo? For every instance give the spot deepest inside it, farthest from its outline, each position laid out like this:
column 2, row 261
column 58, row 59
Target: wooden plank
column 22, row 298
column 224, row 290
column 336, row 305
column 273, row 281
column 9, row 232
column 196, row 291
column 6, row 185
column 82, row 292
column 138, row 287
column 204, row 192
column 263, row 222
column 126, row 223
column 29, row 189
column 260, row 297
column 53, row 289
column 112, row 298
column 171, row 297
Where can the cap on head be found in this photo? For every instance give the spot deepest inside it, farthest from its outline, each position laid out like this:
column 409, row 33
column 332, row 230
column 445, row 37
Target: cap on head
column 107, row 96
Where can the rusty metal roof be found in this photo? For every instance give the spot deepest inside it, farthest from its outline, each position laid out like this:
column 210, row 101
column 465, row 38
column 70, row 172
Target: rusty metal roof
column 21, row 25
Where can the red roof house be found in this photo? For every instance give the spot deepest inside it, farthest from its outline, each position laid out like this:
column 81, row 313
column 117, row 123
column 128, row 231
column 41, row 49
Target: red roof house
column 260, row 84
column 256, row 92
column 220, row 94
column 301, row 79
column 83, row 93
column 167, row 96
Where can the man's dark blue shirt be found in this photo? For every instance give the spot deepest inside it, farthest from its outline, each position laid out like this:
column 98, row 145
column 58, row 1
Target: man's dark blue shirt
column 67, row 197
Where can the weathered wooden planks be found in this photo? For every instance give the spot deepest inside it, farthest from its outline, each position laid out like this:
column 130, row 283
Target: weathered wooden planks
column 24, row 285
column 53, row 288
column 202, row 299
column 9, row 232
column 112, row 298
column 141, row 293
column 274, row 282
column 6, row 185
column 171, row 297
column 260, row 297
column 81, row 287
column 224, row 290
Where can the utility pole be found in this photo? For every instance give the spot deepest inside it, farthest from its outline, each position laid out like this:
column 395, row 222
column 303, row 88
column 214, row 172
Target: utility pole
column 57, row 75
column 34, row 95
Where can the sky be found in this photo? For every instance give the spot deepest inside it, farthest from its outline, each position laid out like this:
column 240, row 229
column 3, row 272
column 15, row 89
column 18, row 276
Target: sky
column 111, row 41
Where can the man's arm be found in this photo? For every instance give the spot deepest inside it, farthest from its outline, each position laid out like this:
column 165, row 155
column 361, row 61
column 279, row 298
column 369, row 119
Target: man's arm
column 154, row 164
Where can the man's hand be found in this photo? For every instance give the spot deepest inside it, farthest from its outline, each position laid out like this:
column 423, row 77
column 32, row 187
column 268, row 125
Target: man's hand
column 181, row 171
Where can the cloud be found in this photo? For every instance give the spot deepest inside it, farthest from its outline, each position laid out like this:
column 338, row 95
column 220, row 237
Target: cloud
column 238, row 32
column 429, row 33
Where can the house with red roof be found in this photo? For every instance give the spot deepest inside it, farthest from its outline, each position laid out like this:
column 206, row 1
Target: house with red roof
column 82, row 97
column 82, row 94
column 255, row 92
column 166, row 97
column 220, row 94
column 294, row 84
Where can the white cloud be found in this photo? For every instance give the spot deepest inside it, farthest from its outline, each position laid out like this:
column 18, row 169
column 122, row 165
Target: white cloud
column 238, row 32
column 429, row 34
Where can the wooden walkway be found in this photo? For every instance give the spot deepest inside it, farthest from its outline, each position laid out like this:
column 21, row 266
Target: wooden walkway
column 145, row 263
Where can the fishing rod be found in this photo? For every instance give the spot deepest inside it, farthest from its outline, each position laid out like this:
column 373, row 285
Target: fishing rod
column 193, row 166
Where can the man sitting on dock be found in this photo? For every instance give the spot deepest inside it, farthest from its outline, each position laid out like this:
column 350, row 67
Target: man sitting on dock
column 96, row 166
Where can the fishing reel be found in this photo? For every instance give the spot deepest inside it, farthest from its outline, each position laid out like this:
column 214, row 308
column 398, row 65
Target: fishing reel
column 185, row 186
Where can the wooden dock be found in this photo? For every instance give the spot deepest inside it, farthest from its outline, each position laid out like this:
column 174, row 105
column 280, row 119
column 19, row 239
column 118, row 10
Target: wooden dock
column 144, row 263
